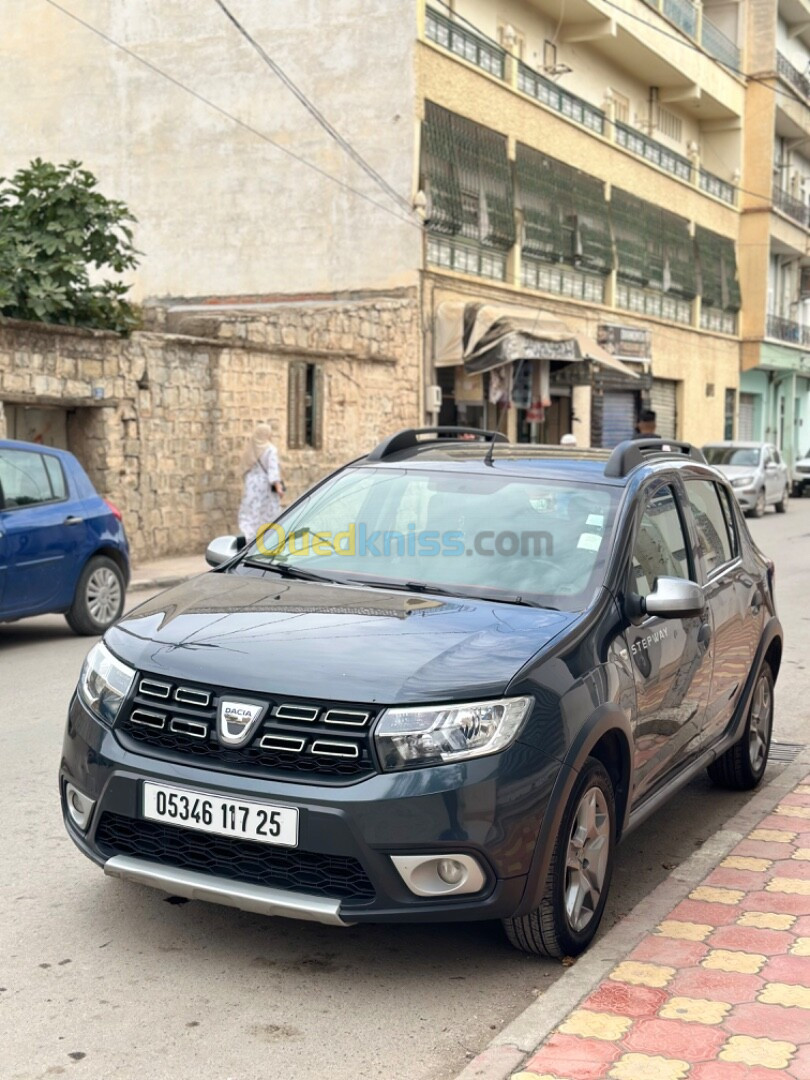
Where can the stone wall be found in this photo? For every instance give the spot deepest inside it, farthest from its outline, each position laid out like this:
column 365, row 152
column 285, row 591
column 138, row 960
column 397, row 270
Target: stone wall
column 159, row 419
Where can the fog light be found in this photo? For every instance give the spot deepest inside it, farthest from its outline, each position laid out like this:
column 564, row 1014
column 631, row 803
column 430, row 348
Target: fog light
column 450, row 871
column 435, row 875
column 79, row 807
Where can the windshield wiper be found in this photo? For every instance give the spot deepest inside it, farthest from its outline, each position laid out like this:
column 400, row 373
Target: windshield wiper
column 423, row 587
column 286, row 571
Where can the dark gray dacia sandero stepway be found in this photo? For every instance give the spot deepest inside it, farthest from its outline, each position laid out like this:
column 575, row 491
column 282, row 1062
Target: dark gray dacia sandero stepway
column 443, row 686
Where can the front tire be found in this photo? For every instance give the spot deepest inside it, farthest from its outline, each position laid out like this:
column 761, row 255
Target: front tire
column 743, row 765
column 99, row 598
column 782, row 506
column 566, row 919
column 759, row 505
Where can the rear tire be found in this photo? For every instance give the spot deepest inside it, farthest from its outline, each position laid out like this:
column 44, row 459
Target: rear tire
column 566, row 919
column 99, row 598
column 782, row 506
column 743, row 765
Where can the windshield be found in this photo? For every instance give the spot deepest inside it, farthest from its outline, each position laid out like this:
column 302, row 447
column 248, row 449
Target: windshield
column 497, row 536
column 732, row 455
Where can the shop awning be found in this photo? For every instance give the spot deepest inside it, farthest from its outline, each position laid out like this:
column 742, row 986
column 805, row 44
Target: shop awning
column 483, row 337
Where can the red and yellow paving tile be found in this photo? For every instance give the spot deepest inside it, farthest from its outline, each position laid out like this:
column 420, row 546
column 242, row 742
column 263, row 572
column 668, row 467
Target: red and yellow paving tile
column 721, row 989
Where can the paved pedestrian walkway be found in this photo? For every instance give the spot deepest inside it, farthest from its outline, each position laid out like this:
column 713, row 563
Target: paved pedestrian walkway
column 161, row 573
column 720, row 990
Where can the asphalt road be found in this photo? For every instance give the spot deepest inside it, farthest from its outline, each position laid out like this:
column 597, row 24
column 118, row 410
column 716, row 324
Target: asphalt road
column 102, row 979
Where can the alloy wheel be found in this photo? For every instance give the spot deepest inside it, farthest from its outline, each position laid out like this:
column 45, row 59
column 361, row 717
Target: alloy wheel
column 103, row 595
column 587, row 858
column 759, row 728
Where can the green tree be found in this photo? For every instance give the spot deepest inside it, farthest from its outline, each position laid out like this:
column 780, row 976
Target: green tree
column 55, row 228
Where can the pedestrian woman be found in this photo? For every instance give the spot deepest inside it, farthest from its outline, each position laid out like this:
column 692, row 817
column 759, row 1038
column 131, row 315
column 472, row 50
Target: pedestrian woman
column 263, row 485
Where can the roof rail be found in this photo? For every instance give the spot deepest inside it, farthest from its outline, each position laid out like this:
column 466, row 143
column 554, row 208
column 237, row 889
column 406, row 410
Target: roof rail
column 409, row 438
column 630, row 454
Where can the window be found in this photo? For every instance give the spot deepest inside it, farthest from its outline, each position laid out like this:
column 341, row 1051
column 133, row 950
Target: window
column 727, row 503
column 711, row 523
column 53, row 467
column 621, row 105
column 305, row 406
column 25, row 480
column 660, row 549
column 728, row 418
column 719, row 287
column 653, row 247
column 669, row 124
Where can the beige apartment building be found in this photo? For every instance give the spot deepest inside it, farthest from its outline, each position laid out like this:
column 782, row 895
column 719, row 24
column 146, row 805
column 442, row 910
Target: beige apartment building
column 560, row 215
column 775, row 228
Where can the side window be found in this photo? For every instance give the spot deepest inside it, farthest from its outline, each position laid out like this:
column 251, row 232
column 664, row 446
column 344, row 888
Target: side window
column 24, row 478
column 727, row 503
column 660, row 549
column 53, row 467
column 711, row 523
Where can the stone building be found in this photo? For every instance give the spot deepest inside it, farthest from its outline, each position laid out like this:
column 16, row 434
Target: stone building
column 580, row 161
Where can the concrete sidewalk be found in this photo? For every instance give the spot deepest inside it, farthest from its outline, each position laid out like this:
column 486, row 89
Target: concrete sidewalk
column 161, row 573
column 707, row 979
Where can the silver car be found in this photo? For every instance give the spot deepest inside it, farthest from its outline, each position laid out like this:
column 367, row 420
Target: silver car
column 757, row 472
column 801, row 475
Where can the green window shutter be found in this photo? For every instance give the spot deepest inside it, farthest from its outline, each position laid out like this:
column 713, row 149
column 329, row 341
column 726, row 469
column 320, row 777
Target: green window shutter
column 318, row 382
column 628, row 216
column 719, row 284
column 680, row 276
column 594, row 244
column 467, row 179
column 296, row 406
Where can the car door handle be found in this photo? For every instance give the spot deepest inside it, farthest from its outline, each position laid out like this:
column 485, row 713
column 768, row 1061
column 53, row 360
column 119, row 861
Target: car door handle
column 71, row 519
column 704, row 634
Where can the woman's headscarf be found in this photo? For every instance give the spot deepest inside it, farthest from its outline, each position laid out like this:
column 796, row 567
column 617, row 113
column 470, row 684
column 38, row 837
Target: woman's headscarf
column 256, row 445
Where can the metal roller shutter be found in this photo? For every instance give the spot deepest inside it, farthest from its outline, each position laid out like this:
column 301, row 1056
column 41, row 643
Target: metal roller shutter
column 618, row 416
column 662, row 401
column 745, row 423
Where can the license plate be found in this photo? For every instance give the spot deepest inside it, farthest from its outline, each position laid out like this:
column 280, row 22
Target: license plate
column 203, row 812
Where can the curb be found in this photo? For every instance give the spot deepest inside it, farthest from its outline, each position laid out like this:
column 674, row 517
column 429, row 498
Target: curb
column 519, row 1038
column 141, row 584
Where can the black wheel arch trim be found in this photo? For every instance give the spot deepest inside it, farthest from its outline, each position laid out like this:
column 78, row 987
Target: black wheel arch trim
column 607, row 719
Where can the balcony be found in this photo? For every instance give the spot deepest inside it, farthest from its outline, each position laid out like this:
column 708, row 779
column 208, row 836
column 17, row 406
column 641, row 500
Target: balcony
column 792, row 75
column 786, row 330
column 721, row 189
column 655, row 152
column 683, row 13
column 722, row 48
column 465, row 43
column 562, row 101
column 793, row 207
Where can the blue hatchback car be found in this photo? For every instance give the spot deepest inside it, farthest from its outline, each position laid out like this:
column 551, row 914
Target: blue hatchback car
column 62, row 546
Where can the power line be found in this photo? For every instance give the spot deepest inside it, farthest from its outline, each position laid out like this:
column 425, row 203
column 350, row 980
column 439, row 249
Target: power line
column 235, row 119
column 355, row 155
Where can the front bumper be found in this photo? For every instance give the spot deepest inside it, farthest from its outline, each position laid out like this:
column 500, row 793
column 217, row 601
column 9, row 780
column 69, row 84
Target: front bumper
column 746, row 497
column 488, row 808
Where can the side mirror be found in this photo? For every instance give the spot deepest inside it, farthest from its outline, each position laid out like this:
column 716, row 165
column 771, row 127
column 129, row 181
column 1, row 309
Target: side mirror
column 675, row 598
column 223, row 549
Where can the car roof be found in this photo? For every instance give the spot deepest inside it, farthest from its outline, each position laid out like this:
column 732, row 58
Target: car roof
column 20, row 444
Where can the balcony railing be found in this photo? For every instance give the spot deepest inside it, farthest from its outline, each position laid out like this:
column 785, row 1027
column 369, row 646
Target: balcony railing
column 683, row 13
column 721, row 189
column 638, row 143
column 793, row 207
column 786, row 330
column 715, row 42
column 792, row 75
column 563, row 101
column 465, row 43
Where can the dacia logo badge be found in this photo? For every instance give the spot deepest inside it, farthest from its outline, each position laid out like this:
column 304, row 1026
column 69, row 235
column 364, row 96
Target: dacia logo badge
column 237, row 721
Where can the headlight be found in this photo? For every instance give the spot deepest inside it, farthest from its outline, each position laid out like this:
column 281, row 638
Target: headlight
column 435, row 734
column 104, row 683
column 742, row 481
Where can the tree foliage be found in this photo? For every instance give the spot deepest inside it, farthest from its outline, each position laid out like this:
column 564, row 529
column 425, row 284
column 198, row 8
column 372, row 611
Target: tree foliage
column 56, row 229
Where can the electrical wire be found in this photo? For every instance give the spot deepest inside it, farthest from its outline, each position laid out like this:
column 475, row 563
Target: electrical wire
column 235, row 119
column 315, row 112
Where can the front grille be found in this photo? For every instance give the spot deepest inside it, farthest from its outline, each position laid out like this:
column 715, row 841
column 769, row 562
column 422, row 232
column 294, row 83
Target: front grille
column 325, row 739
column 238, row 860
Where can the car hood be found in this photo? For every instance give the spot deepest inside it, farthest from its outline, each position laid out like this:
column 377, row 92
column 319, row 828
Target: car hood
column 731, row 471
column 349, row 644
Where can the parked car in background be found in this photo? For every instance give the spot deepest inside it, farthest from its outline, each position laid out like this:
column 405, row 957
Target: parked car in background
column 62, row 547
column 757, row 473
column 801, row 475
column 459, row 724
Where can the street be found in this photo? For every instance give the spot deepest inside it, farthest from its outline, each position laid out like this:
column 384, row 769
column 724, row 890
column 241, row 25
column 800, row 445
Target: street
column 104, row 979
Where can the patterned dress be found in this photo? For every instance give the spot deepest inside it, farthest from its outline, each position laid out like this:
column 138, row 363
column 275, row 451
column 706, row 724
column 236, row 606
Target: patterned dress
column 260, row 504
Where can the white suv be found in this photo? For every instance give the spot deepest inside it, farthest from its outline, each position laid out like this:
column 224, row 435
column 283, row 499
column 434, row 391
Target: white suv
column 757, row 471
